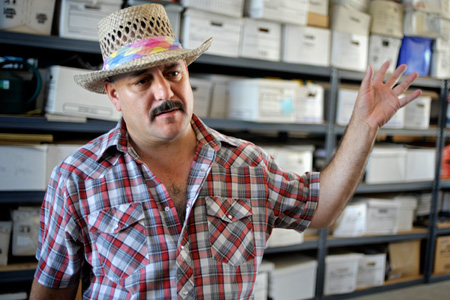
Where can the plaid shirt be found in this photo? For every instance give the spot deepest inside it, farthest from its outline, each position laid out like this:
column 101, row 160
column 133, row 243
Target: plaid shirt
column 107, row 217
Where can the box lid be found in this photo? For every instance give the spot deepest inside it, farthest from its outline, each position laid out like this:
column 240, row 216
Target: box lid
column 334, row 258
column 287, row 264
column 386, row 203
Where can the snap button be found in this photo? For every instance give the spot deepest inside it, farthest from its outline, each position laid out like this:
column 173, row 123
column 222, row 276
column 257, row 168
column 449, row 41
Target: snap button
column 167, row 208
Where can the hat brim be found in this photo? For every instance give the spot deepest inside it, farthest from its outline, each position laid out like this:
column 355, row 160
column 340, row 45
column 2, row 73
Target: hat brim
column 95, row 81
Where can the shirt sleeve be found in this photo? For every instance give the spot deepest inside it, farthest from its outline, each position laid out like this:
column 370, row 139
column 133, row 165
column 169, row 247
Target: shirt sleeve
column 294, row 197
column 58, row 255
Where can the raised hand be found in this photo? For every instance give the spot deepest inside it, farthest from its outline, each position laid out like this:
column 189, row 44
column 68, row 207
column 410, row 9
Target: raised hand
column 379, row 100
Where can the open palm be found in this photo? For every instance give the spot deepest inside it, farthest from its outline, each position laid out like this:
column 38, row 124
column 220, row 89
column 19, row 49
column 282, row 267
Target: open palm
column 379, row 100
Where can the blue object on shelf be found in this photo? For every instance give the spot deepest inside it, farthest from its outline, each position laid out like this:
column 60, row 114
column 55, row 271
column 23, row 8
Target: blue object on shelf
column 416, row 53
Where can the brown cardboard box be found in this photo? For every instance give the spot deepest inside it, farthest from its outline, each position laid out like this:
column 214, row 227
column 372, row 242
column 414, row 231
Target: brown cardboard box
column 442, row 255
column 317, row 20
column 404, row 259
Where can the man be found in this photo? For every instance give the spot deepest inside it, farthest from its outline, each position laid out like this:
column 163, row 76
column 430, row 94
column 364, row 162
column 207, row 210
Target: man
column 163, row 206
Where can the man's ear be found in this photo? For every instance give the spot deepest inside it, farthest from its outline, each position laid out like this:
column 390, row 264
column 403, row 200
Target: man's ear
column 111, row 92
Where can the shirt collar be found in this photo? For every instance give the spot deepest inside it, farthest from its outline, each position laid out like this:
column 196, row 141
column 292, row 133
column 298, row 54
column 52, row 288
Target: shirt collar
column 116, row 138
column 209, row 135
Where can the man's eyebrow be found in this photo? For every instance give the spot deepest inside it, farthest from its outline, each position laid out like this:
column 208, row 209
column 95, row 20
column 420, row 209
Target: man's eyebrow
column 168, row 66
column 172, row 65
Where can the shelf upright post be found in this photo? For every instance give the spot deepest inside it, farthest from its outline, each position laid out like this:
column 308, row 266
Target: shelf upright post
column 432, row 221
column 330, row 146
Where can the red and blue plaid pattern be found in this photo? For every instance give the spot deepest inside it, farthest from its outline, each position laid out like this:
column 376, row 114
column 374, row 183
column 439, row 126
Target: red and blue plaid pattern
column 106, row 211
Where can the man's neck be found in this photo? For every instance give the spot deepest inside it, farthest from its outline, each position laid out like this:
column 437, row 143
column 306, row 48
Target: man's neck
column 168, row 154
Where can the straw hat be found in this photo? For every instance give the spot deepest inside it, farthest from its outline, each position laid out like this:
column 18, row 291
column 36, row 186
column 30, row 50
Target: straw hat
column 136, row 38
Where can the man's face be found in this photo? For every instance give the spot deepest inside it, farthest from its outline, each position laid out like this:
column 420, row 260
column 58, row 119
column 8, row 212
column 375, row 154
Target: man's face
column 156, row 103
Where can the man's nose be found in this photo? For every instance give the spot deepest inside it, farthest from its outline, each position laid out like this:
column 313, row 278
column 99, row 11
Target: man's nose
column 161, row 88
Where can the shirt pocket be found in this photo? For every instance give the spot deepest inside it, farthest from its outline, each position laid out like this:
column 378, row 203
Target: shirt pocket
column 120, row 239
column 230, row 230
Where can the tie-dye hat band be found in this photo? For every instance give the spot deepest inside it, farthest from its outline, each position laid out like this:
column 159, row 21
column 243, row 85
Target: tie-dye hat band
column 140, row 49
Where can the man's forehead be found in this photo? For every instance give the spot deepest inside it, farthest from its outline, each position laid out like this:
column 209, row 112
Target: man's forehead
column 162, row 67
column 166, row 66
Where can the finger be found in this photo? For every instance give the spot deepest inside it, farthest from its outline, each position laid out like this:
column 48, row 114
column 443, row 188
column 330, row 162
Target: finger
column 367, row 80
column 381, row 73
column 410, row 97
column 402, row 87
column 393, row 79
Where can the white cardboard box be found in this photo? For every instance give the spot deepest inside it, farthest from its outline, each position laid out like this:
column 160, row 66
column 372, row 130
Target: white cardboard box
column 386, row 18
column 220, row 93
column 173, row 12
column 261, row 39
column 310, row 104
column 352, row 221
column 198, row 26
column 232, row 8
column 23, row 168
column 436, row 6
column 319, row 7
column 201, row 89
column 440, row 65
column 424, row 24
column 283, row 11
column 344, row 19
column 298, row 159
column 263, row 100
column 349, row 51
column 306, row 45
column 407, row 206
column 420, row 164
column 382, row 216
column 386, row 165
column 65, row 97
column 261, row 288
column 441, row 45
column 341, row 271
column 25, row 232
column 417, row 113
column 382, row 49
column 28, row 167
column 371, row 270
column 359, row 5
column 281, row 237
column 293, row 278
column 345, row 102
column 78, row 19
column 5, row 236
column 28, row 16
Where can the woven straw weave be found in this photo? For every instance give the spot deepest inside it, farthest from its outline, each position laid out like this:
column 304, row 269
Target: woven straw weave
column 128, row 26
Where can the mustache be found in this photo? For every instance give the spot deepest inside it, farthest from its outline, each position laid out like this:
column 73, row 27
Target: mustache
column 166, row 106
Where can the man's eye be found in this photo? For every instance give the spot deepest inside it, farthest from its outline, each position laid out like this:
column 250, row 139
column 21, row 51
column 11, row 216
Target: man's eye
column 142, row 81
column 174, row 74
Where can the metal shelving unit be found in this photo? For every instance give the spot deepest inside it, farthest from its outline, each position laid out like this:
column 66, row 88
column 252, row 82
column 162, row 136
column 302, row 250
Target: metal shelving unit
column 34, row 197
column 329, row 131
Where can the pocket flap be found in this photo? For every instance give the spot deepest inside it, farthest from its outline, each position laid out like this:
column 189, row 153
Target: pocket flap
column 115, row 219
column 228, row 209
